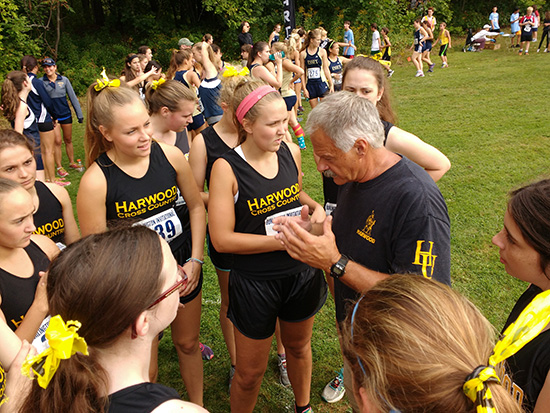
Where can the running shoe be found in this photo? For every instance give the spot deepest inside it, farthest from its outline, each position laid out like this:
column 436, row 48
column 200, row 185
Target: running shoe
column 431, row 68
column 538, row 50
column 61, row 182
column 77, row 166
column 390, row 73
column 283, row 373
column 335, row 390
column 61, row 172
column 419, row 73
column 308, row 410
column 207, row 353
column 545, row 50
column 300, row 110
column 520, row 52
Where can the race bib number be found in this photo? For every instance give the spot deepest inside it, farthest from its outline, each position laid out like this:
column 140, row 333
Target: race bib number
column 527, row 28
column 329, row 208
column 165, row 223
column 40, row 342
column 314, row 73
column 294, row 212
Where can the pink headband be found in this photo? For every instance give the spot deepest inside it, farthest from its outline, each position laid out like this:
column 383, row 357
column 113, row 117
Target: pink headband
column 251, row 100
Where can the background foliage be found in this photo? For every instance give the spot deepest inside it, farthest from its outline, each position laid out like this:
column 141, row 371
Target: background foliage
column 84, row 35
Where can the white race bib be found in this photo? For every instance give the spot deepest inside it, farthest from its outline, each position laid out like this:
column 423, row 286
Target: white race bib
column 314, row 73
column 165, row 223
column 329, row 208
column 527, row 28
column 294, row 212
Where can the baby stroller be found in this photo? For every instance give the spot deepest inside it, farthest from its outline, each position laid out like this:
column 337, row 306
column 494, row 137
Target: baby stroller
column 470, row 45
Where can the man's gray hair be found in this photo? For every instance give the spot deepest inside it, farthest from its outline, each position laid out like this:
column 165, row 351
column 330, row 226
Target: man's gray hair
column 345, row 117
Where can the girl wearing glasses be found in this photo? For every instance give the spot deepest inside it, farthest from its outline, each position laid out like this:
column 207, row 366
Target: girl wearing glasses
column 122, row 287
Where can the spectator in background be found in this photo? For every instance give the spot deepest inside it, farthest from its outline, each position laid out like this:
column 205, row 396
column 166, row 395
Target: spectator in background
column 514, row 27
column 537, row 23
column 527, row 23
column 482, row 36
column 185, row 43
column 349, row 49
column 430, row 18
column 244, row 36
column 493, row 18
column 545, row 31
column 208, row 39
column 245, row 52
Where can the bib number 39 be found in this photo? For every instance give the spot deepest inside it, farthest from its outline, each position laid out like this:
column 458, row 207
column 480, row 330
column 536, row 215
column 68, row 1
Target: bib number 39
column 165, row 223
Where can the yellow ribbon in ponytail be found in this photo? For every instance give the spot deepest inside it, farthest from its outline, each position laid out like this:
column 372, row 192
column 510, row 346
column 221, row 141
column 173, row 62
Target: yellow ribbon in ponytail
column 105, row 82
column 231, row 71
column 532, row 320
column 64, row 342
column 157, row 83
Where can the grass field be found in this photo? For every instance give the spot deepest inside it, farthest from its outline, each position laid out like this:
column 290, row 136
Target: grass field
column 489, row 114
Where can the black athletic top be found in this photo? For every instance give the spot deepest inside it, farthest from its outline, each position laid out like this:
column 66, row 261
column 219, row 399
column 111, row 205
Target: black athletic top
column 48, row 219
column 150, row 200
column 182, row 143
column 260, row 198
column 394, row 223
column 17, row 292
column 527, row 369
column 215, row 148
column 140, row 398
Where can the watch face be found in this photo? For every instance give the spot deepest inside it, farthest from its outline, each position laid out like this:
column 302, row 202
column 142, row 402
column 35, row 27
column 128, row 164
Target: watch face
column 339, row 268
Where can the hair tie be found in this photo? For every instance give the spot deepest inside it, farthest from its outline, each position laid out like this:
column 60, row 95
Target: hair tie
column 105, row 82
column 231, row 71
column 251, row 99
column 63, row 341
column 157, row 83
column 532, row 320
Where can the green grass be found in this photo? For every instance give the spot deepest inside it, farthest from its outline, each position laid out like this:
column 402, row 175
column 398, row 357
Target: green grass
column 488, row 114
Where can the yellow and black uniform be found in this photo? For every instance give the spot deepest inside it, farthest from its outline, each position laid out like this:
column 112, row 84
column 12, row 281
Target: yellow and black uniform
column 140, row 398
column 48, row 218
column 18, row 293
column 149, row 201
column 526, row 370
column 444, row 43
column 270, row 285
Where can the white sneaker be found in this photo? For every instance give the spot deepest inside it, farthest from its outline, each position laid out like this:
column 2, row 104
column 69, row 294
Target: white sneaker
column 335, row 390
column 538, row 50
column 419, row 73
column 545, row 50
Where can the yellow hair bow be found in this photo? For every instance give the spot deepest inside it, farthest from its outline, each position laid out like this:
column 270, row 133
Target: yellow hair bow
column 105, row 82
column 157, row 83
column 527, row 326
column 64, row 342
column 231, row 71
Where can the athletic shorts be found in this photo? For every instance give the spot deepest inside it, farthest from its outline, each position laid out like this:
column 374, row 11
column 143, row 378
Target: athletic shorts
column 525, row 37
column 220, row 260
column 66, row 121
column 518, row 33
column 255, row 305
column 198, row 121
column 535, row 29
column 349, row 56
column 317, row 89
column 418, row 48
column 181, row 255
column 427, row 46
column 443, row 49
column 290, row 102
column 45, row 127
column 35, row 141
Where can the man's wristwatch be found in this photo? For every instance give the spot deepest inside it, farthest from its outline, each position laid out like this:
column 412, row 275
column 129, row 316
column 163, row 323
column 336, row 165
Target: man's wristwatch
column 339, row 268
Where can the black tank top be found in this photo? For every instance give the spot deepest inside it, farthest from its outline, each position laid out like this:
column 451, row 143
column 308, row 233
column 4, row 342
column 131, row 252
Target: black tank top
column 314, row 65
column 140, row 398
column 215, row 148
column 260, row 198
column 182, row 143
column 18, row 293
column 149, row 200
column 48, row 219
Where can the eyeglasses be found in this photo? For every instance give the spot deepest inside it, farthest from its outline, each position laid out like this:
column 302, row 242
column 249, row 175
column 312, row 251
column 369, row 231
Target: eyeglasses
column 179, row 284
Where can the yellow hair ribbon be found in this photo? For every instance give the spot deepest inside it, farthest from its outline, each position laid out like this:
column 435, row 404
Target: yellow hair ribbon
column 64, row 342
column 157, row 83
column 532, row 320
column 105, row 82
column 231, row 71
